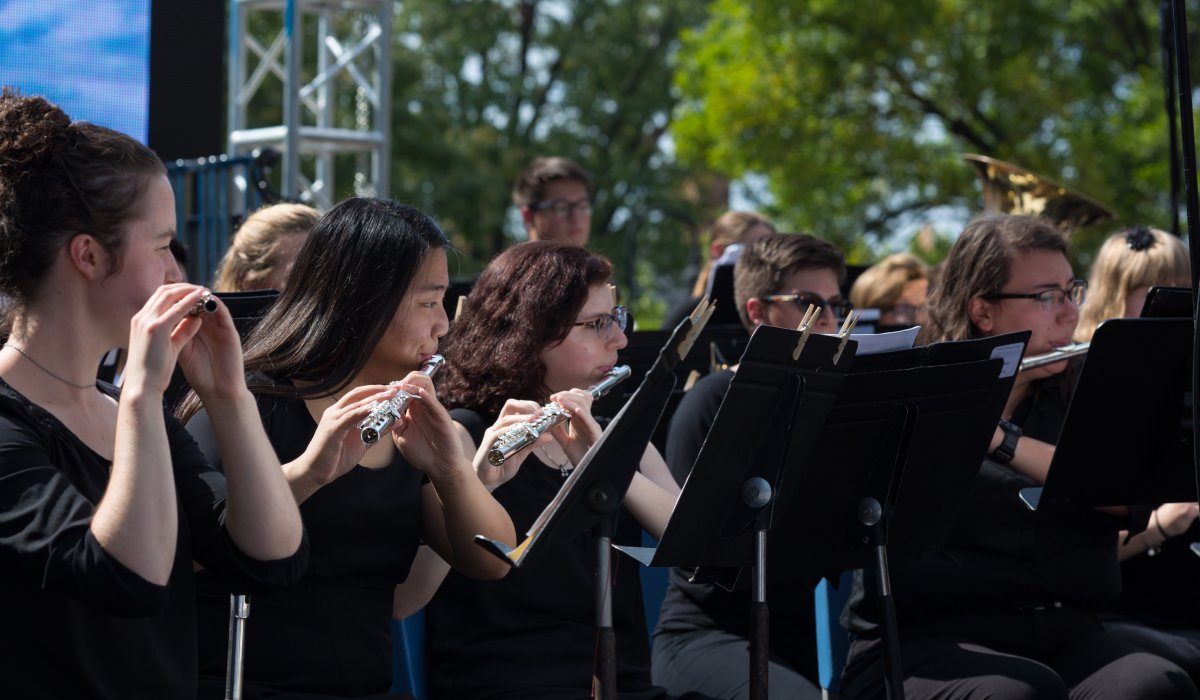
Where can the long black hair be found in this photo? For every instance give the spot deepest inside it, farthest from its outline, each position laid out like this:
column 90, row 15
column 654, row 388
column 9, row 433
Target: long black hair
column 348, row 280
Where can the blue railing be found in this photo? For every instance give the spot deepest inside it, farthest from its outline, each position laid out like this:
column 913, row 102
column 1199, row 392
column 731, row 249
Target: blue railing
column 212, row 195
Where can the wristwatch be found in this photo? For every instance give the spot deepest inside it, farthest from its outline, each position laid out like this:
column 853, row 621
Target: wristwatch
column 1004, row 452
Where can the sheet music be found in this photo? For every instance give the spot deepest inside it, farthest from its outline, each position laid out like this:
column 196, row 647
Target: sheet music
column 871, row 343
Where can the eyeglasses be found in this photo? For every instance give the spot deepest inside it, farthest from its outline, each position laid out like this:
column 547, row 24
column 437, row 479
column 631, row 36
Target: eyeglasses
column 603, row 324
column 903, row 313
column 839, row 307
column 562, row 209
column 1050, row 298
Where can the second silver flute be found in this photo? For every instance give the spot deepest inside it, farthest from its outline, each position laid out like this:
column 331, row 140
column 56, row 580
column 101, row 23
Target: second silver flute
column 1058, row 354
column 384, row 413
column 525, row 434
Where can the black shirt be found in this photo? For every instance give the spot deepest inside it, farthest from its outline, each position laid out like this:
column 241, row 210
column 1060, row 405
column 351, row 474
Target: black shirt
column 532, row 634
column 690, row 606
column 331, row 633
column 78, row 624
column 999, row 553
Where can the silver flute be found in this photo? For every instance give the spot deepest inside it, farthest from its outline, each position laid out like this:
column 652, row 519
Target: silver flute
column 525, row 434
column 206, row 305
column 1059, row 354
column 384, row 413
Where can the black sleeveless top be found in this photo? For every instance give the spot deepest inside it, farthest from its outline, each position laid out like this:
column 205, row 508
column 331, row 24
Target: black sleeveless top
column 532, row 634
column 331, row 633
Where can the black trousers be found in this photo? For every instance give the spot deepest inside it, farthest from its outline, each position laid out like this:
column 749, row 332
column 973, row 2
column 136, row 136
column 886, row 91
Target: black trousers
column 1016, row 654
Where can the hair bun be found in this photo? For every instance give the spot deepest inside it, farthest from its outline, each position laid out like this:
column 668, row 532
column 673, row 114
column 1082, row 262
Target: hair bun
column 31, row 131
column 1140, row 238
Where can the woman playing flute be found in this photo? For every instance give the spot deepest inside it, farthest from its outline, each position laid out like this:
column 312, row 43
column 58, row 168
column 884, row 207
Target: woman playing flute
column 1007, row 607
column 363, row 307
column 105, row 502
column 540, row 325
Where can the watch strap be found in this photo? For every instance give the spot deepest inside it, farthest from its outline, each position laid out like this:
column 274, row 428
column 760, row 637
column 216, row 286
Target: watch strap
column 1004, row 452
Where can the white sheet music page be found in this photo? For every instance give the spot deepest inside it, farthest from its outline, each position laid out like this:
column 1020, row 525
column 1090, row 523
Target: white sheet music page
column 871, row 343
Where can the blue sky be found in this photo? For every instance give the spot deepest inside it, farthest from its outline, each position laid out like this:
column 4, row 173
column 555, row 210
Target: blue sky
column 90, row 57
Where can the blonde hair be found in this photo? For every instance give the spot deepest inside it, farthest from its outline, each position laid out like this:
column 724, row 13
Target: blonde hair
column 731, row 227
column 1139, row 257
column 254, row 251
column 880, row 285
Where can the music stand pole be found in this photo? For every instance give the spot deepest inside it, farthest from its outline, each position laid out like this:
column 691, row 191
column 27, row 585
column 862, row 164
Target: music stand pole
column 1188, row 144
column 870, row 514
column 603, row 499
column 756, row 494
column 239, row 612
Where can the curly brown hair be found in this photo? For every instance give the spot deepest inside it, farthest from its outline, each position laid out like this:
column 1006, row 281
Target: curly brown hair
column 59, row 178
column 525, row 301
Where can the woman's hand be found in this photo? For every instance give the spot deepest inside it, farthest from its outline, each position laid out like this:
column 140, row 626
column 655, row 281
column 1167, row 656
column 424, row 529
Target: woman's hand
column 336, row 446
column 426, row 435
column 158, row 333
column 581, row 431
column 513, row 413
column 211, row 358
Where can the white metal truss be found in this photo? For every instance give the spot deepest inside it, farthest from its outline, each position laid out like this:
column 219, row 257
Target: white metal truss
column 338, row 104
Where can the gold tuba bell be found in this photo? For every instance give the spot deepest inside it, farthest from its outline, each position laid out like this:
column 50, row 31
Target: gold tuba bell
column 1012, row 189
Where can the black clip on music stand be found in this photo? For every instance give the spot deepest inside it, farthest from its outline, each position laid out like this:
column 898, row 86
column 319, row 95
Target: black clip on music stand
column 1131, row 391
column 768, row 420
column 591, row 496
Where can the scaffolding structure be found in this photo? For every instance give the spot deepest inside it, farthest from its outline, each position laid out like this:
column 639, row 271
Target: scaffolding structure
column 336, row 92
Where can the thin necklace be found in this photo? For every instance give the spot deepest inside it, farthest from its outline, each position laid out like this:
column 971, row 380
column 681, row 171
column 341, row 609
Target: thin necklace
column 49, row 372
column 562, row 467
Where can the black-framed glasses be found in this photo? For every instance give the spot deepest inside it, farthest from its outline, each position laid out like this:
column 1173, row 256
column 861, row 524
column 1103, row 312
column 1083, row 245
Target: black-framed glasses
column 561, row 209
column 603, row 324
column 839, row 307
column 1050, row 298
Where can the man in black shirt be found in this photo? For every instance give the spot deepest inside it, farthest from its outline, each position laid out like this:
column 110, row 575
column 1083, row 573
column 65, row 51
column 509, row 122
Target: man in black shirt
column 701, row 639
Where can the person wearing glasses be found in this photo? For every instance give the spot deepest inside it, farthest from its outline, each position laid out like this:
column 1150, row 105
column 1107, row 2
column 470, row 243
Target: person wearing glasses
column 540, row 326
column 555, row 199
column 1006, row 608
column 897, row 286
column 701, row 640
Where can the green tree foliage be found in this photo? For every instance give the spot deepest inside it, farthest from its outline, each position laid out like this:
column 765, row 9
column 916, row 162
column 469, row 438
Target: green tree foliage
column 857, row 112
column 482, row 87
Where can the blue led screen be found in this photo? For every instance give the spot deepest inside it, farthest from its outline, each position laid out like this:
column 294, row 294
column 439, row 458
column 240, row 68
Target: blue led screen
column 90, row 57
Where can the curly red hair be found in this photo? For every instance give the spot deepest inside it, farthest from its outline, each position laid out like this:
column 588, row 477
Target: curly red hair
column 525, row 301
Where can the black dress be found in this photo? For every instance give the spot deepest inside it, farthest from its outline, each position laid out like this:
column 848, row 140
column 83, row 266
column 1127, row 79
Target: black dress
column 532, row 634
column 77, row 623
column 331, row 633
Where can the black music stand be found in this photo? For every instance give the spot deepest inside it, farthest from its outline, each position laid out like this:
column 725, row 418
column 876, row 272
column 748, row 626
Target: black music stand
column 591, row 496
column 913, row 422
column 1146, row 457
column 248, row 308
column 768, row 421
column 1167, row 302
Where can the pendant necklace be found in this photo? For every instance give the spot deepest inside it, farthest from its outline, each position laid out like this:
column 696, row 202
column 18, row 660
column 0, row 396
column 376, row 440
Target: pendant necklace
column 564, row 467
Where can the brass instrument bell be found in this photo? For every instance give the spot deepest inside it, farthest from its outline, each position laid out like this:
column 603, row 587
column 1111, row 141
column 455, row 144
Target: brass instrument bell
column 1011, row 189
